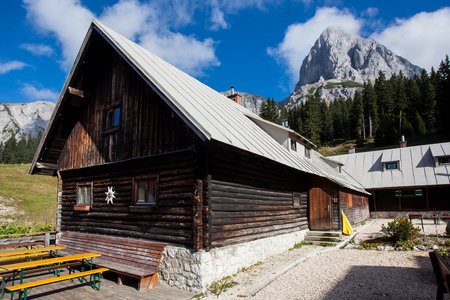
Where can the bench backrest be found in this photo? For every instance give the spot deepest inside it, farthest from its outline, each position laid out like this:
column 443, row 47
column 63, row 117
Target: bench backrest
column 129, row 251
column 441, row 269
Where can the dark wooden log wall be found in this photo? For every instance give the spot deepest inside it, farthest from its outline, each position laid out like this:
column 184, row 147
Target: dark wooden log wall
column 148, row 126
column 434, row 198
column 251, row 198
column 171, row 221
column 355, row 206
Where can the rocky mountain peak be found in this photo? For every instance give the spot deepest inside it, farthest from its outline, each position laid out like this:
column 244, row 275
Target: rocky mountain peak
column 338, row 54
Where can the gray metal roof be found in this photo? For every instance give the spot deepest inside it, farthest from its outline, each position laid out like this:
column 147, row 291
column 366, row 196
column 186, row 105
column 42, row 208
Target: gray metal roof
column 211, row 115
column 214, row 115
column 417, row 167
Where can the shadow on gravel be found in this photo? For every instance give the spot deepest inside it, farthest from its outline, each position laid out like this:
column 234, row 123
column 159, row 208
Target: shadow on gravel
column 375, row 282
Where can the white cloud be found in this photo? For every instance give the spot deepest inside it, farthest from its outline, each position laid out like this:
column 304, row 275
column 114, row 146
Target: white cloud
column 127, row 17
column 68, row 20
column 300, row 37
column 146, row 23
column 38, row 49
column 34, row 94
column 422, row 39
column 191, row 54
column 11, row 66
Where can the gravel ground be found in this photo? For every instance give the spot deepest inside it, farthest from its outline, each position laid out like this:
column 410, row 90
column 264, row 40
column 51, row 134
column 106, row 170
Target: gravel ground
column 341, row 273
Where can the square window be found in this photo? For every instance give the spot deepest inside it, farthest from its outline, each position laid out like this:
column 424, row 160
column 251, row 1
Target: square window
column 84, row 194
column 145, row 191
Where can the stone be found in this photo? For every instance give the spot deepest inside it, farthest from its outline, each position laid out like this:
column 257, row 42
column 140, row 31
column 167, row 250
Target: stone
column 389, row 248
column 380, row 248
column 435, row 247
column 400, row 248
column 421, row 247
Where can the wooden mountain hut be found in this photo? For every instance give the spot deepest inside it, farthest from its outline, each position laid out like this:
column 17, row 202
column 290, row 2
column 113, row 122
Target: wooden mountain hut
column 145, row 152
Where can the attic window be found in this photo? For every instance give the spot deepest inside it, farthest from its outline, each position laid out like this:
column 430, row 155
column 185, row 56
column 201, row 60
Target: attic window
column 392, row 165
column 293, row 145
column 112, row 119
column 444, row 160
column 307, row 152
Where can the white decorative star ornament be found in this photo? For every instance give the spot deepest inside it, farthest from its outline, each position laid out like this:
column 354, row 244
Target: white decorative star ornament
column 110, row 195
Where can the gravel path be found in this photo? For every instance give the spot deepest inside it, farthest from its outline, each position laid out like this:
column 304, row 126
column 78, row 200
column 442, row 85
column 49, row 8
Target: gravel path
column 341, row 273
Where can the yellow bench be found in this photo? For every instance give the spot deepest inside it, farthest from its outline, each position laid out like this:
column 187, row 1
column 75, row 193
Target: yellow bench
column 24, row 287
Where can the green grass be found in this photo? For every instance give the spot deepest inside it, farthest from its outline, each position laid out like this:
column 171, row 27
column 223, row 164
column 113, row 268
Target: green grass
column 34, row 194
column 344, row 84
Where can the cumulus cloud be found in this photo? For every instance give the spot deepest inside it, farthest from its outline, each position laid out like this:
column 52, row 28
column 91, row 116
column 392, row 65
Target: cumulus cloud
column 422, row 39
column 146, row 23
column 300, row 37
column 11, row 66
column 68, row 20
column 38, row 49
column 34, row 94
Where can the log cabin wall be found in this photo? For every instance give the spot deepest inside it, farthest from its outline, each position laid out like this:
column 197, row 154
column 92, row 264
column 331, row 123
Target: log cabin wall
column 355, row 206
column 147, row 124
column 171, row 221
column 252, row 198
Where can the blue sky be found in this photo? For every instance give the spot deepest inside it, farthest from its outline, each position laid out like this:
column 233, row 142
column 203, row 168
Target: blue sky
column 256, row 45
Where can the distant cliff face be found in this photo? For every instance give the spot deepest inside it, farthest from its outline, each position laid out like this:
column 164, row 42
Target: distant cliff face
column 338, row 54
column 23, row 119
column 338, row 57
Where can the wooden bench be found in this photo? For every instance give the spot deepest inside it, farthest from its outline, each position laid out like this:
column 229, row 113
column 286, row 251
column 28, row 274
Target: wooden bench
column 127, row 257
column 19, row 245
column 94, row 281
column 441, row 268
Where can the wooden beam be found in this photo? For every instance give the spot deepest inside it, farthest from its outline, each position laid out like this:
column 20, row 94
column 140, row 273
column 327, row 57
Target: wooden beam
column 47, row 166
column 76, row 92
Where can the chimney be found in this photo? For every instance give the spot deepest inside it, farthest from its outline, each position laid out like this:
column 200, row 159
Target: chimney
column 351, row 150
column 285, row 123
column 235, row 97
column 403, row 142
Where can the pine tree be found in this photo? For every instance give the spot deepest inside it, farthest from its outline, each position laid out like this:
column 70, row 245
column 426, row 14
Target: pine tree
column 9, row 152
column 326, row 132
column 370, row 109
column 442, row 95
column 357, row 122
column 427, row 101
column 312, row 123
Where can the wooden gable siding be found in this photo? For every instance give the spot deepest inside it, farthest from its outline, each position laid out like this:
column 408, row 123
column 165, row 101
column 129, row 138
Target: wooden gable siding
column 355, row 207
column 148, row 126
column 252, row 198
column 171, row 221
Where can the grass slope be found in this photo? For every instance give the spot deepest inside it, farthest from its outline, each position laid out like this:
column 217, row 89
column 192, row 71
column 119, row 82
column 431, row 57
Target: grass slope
column 34, row 195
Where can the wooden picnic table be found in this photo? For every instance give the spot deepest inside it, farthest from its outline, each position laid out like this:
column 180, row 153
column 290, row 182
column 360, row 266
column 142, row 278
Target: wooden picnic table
column 53, row 264
column 23, row 266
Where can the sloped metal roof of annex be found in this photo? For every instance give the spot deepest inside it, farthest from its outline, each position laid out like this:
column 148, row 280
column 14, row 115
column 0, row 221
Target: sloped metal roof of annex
column 417, row 167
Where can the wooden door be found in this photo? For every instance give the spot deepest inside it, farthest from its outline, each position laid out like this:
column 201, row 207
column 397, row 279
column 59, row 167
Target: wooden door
column 320, row 210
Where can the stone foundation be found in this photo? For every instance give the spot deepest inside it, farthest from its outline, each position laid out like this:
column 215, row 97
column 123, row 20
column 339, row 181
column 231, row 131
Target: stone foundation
column 194, row 271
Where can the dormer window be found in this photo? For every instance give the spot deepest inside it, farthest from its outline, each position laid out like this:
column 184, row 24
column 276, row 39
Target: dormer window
column 293, row 145
column 307, row 152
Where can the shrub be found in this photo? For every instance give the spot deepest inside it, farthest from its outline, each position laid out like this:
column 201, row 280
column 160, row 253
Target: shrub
column 400, row 230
